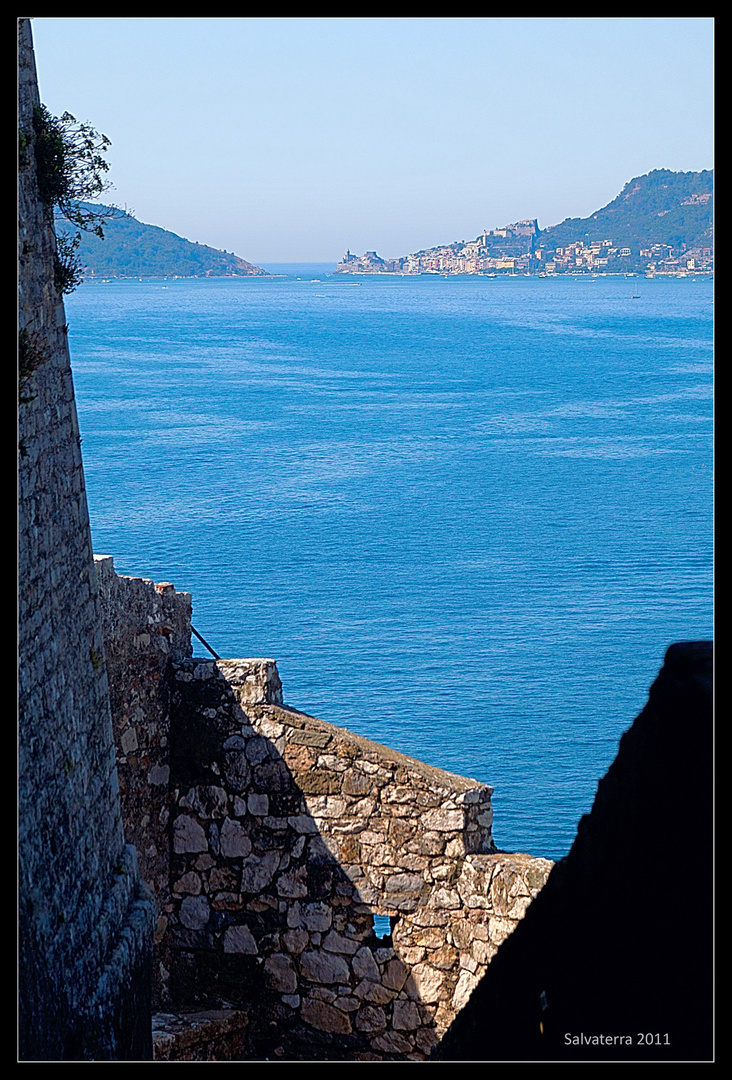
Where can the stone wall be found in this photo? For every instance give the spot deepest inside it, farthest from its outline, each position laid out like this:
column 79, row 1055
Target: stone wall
column 288, row 835
column 145, row 627
column 85, row 923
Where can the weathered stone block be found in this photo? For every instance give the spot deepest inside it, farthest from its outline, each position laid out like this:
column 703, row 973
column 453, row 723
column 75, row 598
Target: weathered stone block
column 195, row 912
column 320, row 783
column 370, row 1018
column 404, row 883
column 188, row 835
column 234, row 840
column 499, row 929
column 364, row 965
column 206, row 801
column 444, row 820
column 337, row 943
column 326, row 806
column 433, row 843
column 425, row 983
column 293, row 883
column 236, row 770
column 296, row 940
column 446, row 899
column 303, row 823
column 374, row 991
column 356, row 784
column 227, row 901
column 257, row 749
column 317, row 916
column 258, row 871
column 238, row 939
column 223, row 877
column 347, row 1002
column 465, row 986
column 325, row 1017
column 392, row 1042
column 188, row 883
column 279, row 974
column 322, row 967
column 405, row 1016
column 396, row 973
column 321, row 739
column 426, row 1038
column 258, row 805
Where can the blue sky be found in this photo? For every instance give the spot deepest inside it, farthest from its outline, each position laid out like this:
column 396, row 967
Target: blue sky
column 292, row 139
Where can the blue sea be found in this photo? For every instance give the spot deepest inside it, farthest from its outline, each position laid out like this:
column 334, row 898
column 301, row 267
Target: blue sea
column 466, row 515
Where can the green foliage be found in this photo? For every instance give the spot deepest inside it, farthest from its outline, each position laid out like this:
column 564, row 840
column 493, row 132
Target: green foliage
column 661, row 207
column 132, row 249
column 68, row 270
column 70, row 168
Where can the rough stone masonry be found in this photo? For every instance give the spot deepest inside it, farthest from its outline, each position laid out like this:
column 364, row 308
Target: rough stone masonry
column 85, row 922
column 272, row 838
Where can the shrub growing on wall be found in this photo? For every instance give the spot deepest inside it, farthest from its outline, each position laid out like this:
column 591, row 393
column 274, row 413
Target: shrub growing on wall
column 70, row 166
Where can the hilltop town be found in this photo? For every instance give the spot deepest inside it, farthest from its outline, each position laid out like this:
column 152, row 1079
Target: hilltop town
column 661, row 223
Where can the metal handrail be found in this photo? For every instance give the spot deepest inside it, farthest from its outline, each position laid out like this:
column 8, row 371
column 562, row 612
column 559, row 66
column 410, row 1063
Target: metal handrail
column 204, row 642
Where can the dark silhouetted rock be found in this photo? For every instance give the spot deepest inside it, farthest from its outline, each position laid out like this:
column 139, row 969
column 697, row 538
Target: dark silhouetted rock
column 614, row 958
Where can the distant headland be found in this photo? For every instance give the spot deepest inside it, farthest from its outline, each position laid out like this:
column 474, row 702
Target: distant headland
column 131, row 249
column 660, row 223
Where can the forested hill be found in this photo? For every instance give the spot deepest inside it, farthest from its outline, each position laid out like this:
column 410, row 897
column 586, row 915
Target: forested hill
column 662, row 207
column 132, row 249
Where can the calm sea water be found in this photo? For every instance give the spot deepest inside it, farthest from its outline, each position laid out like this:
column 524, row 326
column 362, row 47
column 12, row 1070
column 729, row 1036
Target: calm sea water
column 466, row 515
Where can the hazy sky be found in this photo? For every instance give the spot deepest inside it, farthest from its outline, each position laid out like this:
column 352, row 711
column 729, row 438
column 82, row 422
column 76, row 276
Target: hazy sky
column 293, row 139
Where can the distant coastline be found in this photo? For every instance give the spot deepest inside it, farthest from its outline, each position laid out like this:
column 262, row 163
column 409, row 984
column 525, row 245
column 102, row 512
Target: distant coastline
column 659, row 224
column 132, row 249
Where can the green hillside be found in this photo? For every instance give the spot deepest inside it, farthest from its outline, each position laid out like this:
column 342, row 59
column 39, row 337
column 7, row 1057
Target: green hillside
column 132, row 249
column 662, row 207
